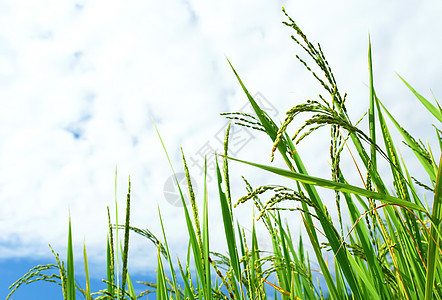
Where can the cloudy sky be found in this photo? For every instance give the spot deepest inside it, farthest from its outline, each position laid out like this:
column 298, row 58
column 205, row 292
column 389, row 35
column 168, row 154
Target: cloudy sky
column 81, row 83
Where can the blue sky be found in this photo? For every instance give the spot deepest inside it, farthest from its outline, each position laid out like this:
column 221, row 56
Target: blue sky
column 81, row 82
column 16, row 268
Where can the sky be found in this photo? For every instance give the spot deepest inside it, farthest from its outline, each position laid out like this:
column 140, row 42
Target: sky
column 83, row 82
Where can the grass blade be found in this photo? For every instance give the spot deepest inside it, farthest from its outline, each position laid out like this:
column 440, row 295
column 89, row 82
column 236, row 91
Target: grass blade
column 208, row 283
column 116, row 235
column 338, row 186
column 190, row 228
column 433, row 255
column 130, row 288
column 228, row 229
column 70, row 266
column 430, row 107
column 161, row 279
column 423, row 159
column 175, row 285
column 126, row 240
column 86, row 272
column 371, row 111
column 110, row 270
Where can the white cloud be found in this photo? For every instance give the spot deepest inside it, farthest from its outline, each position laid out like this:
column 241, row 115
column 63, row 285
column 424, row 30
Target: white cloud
column 81, row 81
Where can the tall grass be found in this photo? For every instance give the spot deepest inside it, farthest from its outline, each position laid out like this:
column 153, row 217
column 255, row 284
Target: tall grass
column 391, row 249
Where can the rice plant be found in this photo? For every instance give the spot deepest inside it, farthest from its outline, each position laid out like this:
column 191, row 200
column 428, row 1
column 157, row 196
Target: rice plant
column 391, row 249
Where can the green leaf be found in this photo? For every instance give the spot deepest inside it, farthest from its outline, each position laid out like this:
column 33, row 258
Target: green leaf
column 130, row 288
column 337, row 186
column 208, row 283
column 430, row 107
column 192, row 234
column 431, row 170
column 70, row 266
column 110, row 269
column 86, row 272
column 161, row 279
column 433, row 254
column 371, row 111
column 228, row 229
column 175, row 285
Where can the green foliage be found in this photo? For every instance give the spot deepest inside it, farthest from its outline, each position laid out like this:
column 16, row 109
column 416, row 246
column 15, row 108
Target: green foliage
column 391, row 250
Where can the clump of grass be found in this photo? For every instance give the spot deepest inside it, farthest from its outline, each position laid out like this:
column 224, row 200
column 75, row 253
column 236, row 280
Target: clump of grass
column 391, row 249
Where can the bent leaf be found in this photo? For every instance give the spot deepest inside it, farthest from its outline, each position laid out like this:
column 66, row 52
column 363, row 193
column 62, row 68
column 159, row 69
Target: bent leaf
column 337, row 186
